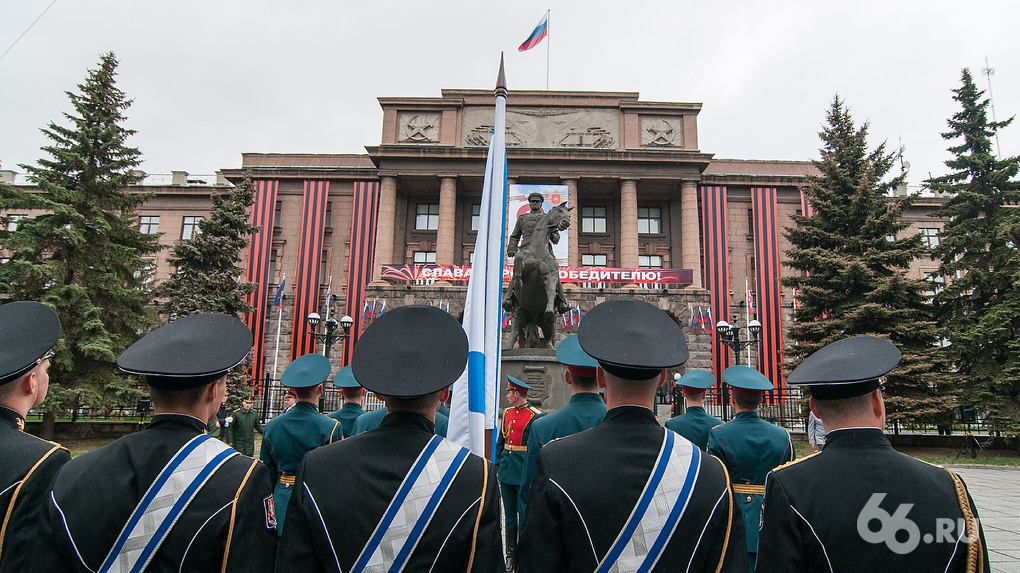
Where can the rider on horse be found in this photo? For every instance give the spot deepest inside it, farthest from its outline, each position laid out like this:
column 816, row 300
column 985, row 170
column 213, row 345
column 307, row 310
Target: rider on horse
column 520, row 238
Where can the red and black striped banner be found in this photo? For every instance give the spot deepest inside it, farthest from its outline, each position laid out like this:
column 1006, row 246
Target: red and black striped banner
column 767, row 286
column 717, row 270
column 806, row 208
column 306, row 285
column 259, row 252
column 360, row 260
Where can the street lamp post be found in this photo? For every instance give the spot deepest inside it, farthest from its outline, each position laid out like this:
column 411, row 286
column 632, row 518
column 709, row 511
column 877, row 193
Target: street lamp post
column 729, row 337
column 330, row 336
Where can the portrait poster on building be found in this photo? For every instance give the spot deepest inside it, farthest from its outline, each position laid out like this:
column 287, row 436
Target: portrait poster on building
column 517, row 205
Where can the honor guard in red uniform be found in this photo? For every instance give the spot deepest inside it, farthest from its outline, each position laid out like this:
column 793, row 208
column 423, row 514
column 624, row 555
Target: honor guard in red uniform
column 509, row 456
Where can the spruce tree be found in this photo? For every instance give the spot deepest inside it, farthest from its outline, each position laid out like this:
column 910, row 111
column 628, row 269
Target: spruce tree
column 83, row 254
column 207, row 278
column 853, row 278
column 979, row 308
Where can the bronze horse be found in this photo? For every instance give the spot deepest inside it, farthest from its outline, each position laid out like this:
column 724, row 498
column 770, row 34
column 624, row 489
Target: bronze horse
column 535, row 280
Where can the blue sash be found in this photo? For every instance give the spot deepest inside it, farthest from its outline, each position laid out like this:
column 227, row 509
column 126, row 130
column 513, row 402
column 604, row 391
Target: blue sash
column 164, row 502
column 412, row 507
column 661, row 505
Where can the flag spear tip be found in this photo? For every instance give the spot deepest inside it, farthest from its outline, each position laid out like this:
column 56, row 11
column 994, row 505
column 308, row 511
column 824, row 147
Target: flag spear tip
column 501, row 79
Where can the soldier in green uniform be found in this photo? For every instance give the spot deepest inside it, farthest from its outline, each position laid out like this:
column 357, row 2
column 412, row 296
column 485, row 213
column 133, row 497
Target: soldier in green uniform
column 695, row 422
column 370, row 420
column 584, row 410
column 353, row 394
column 240, row 427
column 750, row 447
column 509, row 456
column 289, row 437
column 28, row 330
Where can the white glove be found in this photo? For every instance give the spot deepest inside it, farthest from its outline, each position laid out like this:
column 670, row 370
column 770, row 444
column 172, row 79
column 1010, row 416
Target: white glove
column 228, row 420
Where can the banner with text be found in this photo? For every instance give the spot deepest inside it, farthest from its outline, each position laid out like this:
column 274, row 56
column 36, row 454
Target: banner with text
column 400, row 273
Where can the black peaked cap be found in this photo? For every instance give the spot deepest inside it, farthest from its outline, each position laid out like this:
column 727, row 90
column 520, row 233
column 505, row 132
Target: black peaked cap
column 188, row 352
column 28, row 330
column 410, row 351
column 846, row 368
column 631, row 338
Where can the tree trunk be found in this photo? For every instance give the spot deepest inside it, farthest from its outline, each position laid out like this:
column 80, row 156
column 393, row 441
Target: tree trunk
column 49, row 416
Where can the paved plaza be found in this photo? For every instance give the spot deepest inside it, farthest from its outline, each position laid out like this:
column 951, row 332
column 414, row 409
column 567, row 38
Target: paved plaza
column 994, row 491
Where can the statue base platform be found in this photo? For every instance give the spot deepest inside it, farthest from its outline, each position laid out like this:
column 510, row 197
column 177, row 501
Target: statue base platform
column 538, row 368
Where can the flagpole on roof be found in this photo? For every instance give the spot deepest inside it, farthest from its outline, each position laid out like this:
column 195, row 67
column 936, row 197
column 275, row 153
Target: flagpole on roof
column 548, row 45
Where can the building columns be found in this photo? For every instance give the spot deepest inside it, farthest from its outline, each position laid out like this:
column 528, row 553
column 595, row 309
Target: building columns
column 447, row 220
column 572, row 247
column 628, row 224
column 386, row 226
column 690, row 236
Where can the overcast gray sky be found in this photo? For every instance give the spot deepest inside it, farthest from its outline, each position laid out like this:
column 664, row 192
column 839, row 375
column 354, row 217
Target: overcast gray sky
column 212, row 79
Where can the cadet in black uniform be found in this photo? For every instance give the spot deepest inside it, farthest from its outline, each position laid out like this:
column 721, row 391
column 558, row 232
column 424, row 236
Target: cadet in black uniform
column 28, row 332
column 859, row 505
column 354, row 504
column 629, row 494
column 169, row 498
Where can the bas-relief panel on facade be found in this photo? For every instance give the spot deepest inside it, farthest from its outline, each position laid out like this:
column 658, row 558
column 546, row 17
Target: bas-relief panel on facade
column 661, row 132
column 548, row 128
column 419, row 128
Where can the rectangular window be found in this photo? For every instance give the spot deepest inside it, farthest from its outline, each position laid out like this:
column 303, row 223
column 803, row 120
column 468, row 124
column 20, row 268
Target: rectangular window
column 930, row 237
column 475, row 210
column 650, row 261
column 272, row 265
column 426, row 217
column 594, row 260
column 148, row 225
column 424, row 257
column 593, row 219
column 190, row 227
column 649, row 221
column 12, row 222
column 328, row 223
column 324, row 266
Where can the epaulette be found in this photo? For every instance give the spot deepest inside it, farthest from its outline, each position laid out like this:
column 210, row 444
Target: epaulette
column 796, row 461
column 534, row 410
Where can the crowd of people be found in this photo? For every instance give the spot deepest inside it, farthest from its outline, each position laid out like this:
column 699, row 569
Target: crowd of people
column 598, row 485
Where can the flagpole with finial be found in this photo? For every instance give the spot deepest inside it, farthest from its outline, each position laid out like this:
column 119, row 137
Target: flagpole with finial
column 475, row 402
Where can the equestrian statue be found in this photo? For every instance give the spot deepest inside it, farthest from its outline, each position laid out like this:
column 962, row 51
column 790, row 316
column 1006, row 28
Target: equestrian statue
column 535, row 294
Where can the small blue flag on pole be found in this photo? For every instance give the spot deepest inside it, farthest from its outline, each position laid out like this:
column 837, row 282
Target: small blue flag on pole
column 278, row 299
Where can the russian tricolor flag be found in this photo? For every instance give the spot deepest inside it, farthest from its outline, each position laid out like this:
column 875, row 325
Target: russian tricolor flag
column 541, row 31
column 473, row 406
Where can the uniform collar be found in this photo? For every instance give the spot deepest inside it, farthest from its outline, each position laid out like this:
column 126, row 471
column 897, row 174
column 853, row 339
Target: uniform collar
column 586, row 397
column 694, row 408
column 161, row 420
column 526, row 404
column 12, row 418
column 351, row 406
column 851, row 437
column 630, row 415
column 409, row 420
column 751, row 414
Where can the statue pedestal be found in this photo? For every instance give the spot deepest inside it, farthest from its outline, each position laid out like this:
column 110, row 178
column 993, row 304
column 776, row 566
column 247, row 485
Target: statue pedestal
column 538, row 368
